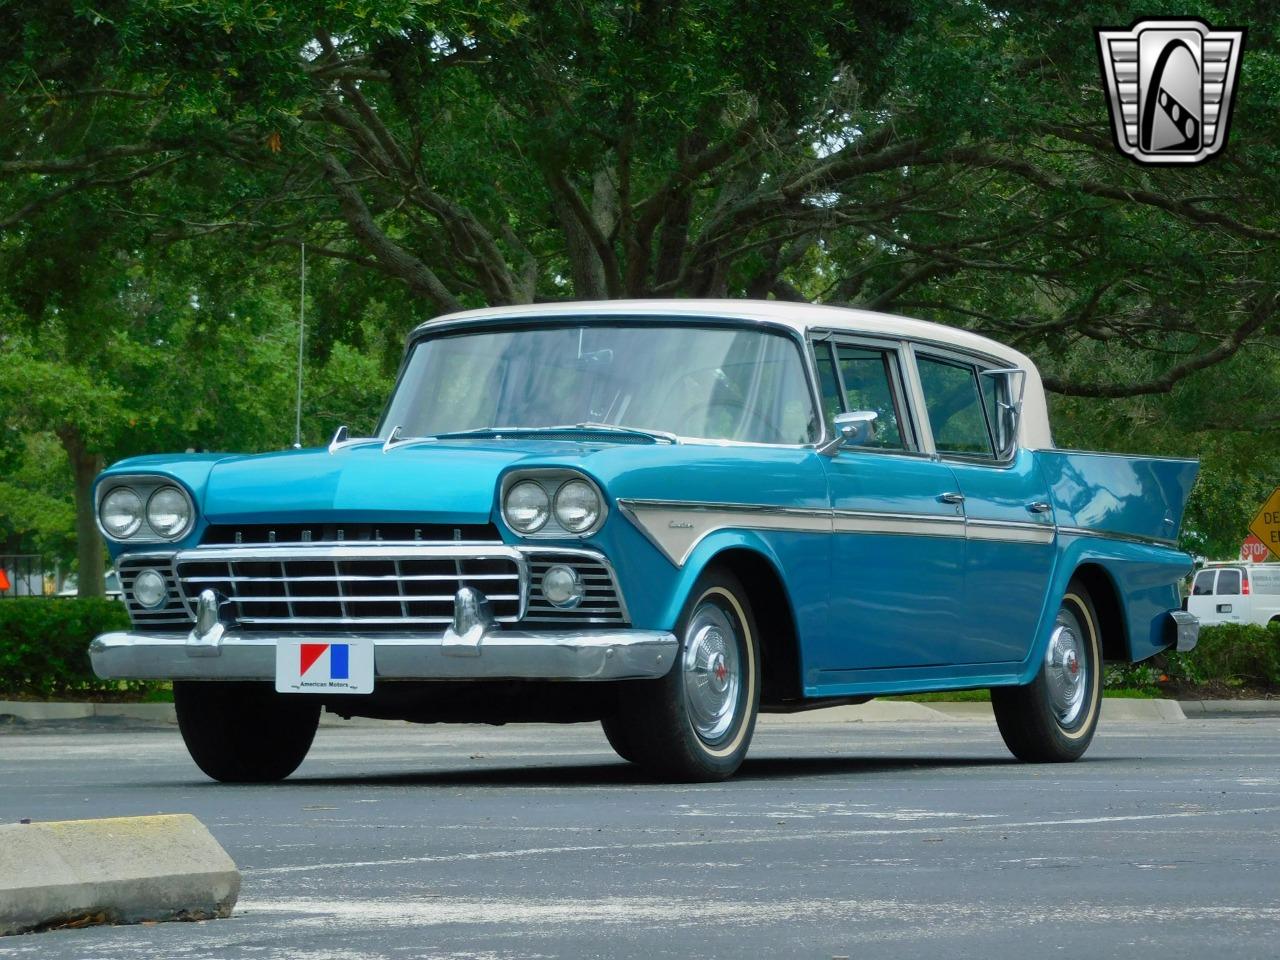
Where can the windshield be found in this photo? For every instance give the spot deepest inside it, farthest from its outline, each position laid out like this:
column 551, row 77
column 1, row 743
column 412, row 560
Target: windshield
column 717, row 383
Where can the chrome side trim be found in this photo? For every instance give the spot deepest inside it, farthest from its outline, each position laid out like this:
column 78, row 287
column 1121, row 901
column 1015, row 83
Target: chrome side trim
column 1122, row 537
column 899, row 524
column 676, row 528
column 502, row 654
column 1015, row 531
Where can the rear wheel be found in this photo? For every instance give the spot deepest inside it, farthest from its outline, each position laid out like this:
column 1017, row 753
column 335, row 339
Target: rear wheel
column 244, row 732
column 695, row 724
column 1053, row 718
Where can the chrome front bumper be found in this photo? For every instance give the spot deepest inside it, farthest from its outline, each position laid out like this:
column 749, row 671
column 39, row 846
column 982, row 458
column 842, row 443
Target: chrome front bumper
column 618, row 654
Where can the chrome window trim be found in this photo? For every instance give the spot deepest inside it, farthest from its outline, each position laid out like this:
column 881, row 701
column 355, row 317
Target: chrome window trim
column 144, row 486
column 978, row 362
column 898, row 388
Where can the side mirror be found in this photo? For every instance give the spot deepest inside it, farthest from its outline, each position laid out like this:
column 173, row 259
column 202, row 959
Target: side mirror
column 854, row 428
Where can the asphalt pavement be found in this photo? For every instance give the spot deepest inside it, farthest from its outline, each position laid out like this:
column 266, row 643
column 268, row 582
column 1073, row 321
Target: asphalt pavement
column 836, row 840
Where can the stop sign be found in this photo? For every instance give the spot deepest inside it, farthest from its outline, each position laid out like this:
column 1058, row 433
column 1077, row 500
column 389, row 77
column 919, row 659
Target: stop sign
column 1254, row 550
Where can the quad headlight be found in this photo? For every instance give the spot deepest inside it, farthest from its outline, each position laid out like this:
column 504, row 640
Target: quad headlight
column 577, row 506
column 142, row 508
column 121, row 513
column 169, row 512
column 527, row 507
column 553, row 503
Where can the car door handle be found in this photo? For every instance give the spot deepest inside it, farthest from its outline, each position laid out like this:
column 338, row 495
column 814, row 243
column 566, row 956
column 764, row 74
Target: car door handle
column 1039, row 506
column 951, row 498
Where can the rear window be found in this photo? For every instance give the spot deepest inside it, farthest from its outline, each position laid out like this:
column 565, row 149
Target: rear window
column 1228, row 583
column 1204, row 583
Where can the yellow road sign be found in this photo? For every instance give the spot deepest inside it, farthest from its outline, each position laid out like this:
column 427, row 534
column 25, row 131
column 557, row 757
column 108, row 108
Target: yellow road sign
column 1266, row 525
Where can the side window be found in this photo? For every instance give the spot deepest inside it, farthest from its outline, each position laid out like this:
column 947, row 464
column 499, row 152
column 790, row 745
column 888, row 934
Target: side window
column 1228, row 583
column 868, row 385
column 955, row 405
column 1203, row 586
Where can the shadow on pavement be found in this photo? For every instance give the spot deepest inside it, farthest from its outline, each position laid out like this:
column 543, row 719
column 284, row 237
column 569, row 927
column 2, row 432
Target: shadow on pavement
column 591, row 774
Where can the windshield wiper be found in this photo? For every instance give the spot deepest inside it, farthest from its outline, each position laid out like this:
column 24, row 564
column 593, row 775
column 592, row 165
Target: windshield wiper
column 587, row 426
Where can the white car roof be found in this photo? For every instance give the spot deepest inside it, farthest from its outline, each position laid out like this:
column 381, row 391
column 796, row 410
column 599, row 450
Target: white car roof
column 802, row 317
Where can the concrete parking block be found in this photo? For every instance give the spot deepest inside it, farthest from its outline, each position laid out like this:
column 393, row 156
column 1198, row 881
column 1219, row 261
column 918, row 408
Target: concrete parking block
column 38, row 710
column 118, row 870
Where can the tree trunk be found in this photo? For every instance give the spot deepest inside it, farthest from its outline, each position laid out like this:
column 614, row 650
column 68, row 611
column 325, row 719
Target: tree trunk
column 90, row 563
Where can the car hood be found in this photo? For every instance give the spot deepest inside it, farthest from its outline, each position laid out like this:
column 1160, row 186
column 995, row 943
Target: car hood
column 456, row 481
column 435, row 482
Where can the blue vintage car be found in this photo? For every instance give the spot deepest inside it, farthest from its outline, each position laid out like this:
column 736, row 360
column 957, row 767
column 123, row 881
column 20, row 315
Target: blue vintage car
column 664, row 516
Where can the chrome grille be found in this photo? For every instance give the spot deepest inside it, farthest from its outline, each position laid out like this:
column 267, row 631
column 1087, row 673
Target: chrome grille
column 374, row 585
column 172, row 613
column 601, row 605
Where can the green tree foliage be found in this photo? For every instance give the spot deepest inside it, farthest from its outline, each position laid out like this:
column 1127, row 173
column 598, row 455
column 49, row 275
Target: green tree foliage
column 161, row 162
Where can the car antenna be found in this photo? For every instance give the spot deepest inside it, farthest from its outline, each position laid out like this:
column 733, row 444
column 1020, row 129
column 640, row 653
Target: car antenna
column 302, row 326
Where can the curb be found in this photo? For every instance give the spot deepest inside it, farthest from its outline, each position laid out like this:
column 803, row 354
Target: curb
column 42, row 711
column 1230, row 708
column 120, row 870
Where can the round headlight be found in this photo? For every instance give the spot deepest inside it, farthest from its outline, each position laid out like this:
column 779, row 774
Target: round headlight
column 561, row 586
column 169, row 512
column 577, row 506
column 121, row 513
column 527, row 507
column 149, row 589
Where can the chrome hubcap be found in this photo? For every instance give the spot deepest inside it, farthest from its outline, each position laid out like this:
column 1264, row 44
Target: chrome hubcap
column 1066, row 670
column 712, row 676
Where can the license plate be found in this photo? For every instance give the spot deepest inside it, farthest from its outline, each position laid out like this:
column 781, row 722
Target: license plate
column 308, row 667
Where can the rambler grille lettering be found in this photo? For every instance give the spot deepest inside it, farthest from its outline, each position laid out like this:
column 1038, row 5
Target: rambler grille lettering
column 342, row 532
column 365, row 587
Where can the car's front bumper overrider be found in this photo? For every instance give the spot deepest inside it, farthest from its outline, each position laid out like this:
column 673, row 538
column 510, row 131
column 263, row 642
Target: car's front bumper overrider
column 613, row 654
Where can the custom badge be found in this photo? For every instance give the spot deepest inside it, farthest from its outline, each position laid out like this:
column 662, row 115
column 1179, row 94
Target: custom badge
column 1169, row 84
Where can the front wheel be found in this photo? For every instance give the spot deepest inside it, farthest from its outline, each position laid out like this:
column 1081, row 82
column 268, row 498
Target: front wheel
column 244, row 732
column 1053, row 718
column 695, row 724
